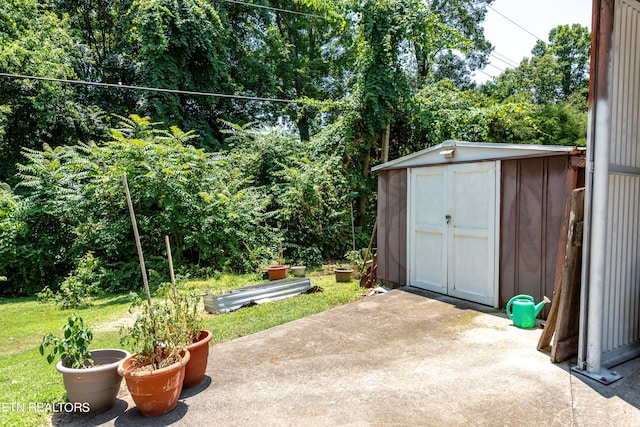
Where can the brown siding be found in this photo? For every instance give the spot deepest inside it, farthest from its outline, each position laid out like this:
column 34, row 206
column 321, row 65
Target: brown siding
column 532, row 194
column 392, row 226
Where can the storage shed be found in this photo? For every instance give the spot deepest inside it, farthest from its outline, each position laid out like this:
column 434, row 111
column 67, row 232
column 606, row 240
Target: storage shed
column 477, row 221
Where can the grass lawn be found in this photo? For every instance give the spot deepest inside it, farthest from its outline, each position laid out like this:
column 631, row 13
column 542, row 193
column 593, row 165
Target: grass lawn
column 26, row 378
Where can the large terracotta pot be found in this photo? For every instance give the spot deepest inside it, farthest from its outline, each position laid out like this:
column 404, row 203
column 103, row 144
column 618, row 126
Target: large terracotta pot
column 199, row 351
column 154, row 392
column 277, row 272
column 96, row 386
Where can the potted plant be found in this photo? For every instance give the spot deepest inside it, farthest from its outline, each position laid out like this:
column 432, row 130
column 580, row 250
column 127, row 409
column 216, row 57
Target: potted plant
column 355, row 260
column 155, row 372
column 90, row 377
column 196, row 338
column 343, row 273
column 279, row 270
column 298, row 270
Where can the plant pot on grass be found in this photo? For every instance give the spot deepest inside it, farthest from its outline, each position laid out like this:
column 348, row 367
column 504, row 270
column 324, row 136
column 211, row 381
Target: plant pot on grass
column 343, row 274
column 90, row 377
column 298, row 270
column 277, row 272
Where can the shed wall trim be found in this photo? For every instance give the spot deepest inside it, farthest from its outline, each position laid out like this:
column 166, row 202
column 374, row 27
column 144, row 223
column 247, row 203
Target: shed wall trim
column 465, row 152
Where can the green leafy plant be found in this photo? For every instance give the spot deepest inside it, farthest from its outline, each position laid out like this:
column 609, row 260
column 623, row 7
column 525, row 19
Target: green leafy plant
column 355, row 258
column 78, row 288
column 157, row 336
column 72, row 347
column 187, row 313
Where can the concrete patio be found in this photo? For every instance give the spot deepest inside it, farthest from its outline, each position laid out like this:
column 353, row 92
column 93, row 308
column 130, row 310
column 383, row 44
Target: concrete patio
column 405, row 357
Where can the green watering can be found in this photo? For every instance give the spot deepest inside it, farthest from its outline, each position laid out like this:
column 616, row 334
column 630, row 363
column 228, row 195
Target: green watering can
column 523, row 311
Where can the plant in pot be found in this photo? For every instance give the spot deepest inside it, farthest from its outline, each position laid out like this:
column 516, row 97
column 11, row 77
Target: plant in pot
column 298, row 270
column 343, row 273
column 279, row 270
column 355, row 260
column 196, row 337
column 90, row 377
column 155, row 372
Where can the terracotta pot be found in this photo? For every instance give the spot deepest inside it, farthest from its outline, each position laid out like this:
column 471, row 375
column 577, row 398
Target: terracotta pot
column 277, row 272
column 199, row 351
column 154, row 392
column 96, row 386
column 343, row 274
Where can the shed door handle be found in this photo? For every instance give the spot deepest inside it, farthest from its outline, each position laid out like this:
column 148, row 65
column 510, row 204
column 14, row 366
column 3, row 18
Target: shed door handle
column 448, row 218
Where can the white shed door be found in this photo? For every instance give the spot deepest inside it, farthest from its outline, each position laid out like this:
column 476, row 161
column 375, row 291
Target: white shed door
column 452, row 232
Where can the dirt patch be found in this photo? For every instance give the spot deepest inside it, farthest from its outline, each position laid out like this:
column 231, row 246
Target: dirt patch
column 114, row 325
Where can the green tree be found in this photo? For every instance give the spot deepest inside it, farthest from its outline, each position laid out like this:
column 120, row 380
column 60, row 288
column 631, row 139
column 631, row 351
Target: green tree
column 453, row 63
column 180, row 45
column 35, row 42
column 557, row 71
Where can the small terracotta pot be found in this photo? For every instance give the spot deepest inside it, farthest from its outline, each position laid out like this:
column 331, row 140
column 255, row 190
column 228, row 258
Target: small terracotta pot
column 199, row 351
column 97, row 386
column 277, row 272
column 154, row 392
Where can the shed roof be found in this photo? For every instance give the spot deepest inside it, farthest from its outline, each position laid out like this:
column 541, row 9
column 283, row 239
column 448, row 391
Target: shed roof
column 462, row 152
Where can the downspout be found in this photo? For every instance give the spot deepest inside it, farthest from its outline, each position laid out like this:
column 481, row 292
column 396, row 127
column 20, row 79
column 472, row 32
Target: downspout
column 596, row 202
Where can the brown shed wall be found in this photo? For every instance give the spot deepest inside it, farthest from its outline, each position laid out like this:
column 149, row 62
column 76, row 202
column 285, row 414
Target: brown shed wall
column 392, row 227
column 532, row 205
column 532, row 194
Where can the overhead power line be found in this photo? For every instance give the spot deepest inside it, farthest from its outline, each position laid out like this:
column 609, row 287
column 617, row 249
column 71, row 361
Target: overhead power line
column 497, row 68
column 503, row 58
column 485, row 73
column 277, row 9
column 149, row 89
column 515, row 23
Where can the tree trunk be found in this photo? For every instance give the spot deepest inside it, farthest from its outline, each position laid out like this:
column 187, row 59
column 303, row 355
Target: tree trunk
column 385, row 142
column 362, row 202
column 303, row 127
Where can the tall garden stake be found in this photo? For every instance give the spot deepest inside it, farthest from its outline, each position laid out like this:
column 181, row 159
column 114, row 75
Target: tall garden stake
column 137, row 237
column 173, row 277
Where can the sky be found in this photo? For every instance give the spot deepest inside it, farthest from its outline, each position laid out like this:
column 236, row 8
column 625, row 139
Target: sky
column 537, row 17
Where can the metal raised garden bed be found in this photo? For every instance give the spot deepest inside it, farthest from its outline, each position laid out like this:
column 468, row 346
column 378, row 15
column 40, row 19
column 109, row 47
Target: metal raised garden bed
column 256, row 294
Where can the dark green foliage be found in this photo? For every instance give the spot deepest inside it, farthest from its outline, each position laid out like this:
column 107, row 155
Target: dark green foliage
column 72, row 348
column 78, row 288
column 213, row 207
column 34, row 41
column 354, row 70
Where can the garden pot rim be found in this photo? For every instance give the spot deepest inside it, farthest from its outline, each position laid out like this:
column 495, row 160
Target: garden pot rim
column 277, row 266
column 207, row 337
column 343, row 269
column 129, row 372
column 96, row 368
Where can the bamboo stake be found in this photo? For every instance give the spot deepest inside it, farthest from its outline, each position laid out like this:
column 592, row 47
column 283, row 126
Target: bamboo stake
column 173, row 277
column 353, row 228
column 280, row 254
column 137, row 237
column 373, row 234
column 252, row 256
